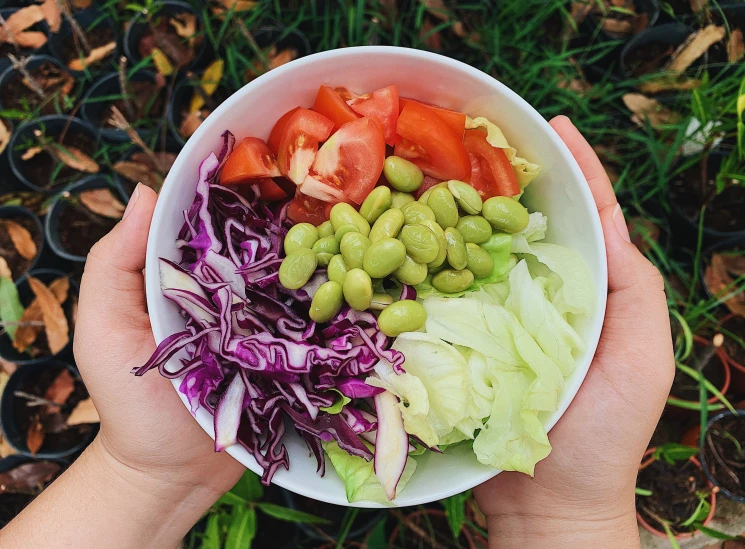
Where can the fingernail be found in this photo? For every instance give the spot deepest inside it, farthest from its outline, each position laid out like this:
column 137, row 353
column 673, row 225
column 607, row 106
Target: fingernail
column 620, row 223
column 132, row 201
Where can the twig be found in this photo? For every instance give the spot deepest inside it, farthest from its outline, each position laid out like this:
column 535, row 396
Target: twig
column 417, row 530
column 714, row 451
column 20, row 66
column 35, row 400
column 9, row 32
column 74, row 26
column 124, row 86
column 118, row 121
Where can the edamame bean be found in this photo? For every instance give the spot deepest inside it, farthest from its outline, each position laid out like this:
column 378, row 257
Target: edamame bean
column 402, row 175
column 480, row 263
column 357, row 289
column 380, row 301
column 383, row 257
column 402, row 316
column 324, row 258
column 474, row 228
column 337, row 269
column 353, row 247
column 505, row 214
column 325, row 229
column 327, row 244
column 327, row 301
column 456, row 249
column 440, row 234
column 451, row 281
column 344, row 229
column 388, row 225
column 425, row 195
column 398, row 199
column 297, row 268
column 411, row 272
column 377, row 202
column 342, row 213
column 416, row 212
column 443, row 205
column 466, row 196
column 302, row 235
column 421, row 243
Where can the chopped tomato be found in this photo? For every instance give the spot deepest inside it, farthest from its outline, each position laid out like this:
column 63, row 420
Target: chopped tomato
column 251, row 159
column 345, row 94
column 331, row 105
column 427, row 184
column 269, row 190
column 306, row 209
column 381, row 106
column 351, row 160
column 299, row 143
column 491, row 171
column 456, row 120
column 277, row 130
column 431, row 144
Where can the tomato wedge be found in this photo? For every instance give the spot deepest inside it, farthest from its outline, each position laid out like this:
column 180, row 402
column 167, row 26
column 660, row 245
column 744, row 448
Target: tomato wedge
column 299, row 143
column 351, row 160
column 456, row 120
column 306, row 209
column 331, row 105
column 491, row 171
column 269, row 190
column 251, row 159
column 381, row 106
column 277, row 130
column 431, row 144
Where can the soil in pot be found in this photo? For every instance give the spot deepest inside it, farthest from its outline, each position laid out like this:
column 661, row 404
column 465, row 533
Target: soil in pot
column 735, row 325
column 146, row 102
column 17, row 263
column 724, row 454
column 176, row 36
column 80, row 228
column 686, row 388
column 649, row 59
column 696, row 187
column 55, row 84
column 43, row 170
column 674, row 497
column 97, row 37
column 21, row 484
column 49, row 422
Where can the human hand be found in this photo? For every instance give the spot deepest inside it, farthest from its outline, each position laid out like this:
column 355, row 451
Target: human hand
column 582, row 494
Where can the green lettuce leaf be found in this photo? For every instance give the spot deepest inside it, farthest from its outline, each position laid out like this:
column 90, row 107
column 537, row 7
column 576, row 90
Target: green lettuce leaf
column 339, row 402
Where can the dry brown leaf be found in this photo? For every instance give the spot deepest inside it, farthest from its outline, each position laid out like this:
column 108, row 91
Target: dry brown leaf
column 52, row 14
column 28, row 478
column 237, row 6
column 31, row 39
column 185, row 24
column 643, row 232
column 437, row 9
column 21, row 238
column 76, row 159
column 4, row 136
column 55, row 321
column 35, row 436
column 137, row 173
column 81, row 4
column 698, row 5
column 695, row 46
column 190, row 123
column 162, row 161
column 27, row 333
column 5, row 269
column 29, row 153
column 720, row 283
column 735, row 47
column 429, row 36
column 7, row 367
column 580, row 10
column 5, row 448
column 103, row 202
column 646, row 108
column 617, row 26
column 84, row 412
column 734, row 263
column 668, row 84
column 96, row 54
column 22, row 20
column 61, row 388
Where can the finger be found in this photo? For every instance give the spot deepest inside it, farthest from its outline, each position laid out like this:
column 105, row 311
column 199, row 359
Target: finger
column 588, row 161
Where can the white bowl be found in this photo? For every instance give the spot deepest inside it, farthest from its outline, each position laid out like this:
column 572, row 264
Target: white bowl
column 560, row 192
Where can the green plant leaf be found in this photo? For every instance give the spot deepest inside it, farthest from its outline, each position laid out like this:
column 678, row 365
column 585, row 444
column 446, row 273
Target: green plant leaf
column 339, row 402
column 211, row 538
column 670, row 536
column 701, row 106
column 11, row 309
column 643, row 492
column 673, row 452
column 708, row 384
column 242, row 528
column 716, row 534
column 230, row 498
column 700, row 513
column 290, row 515
column 741, row 121
column 693, row 405
column 376, row 539
column 455, row 511
column 687, row 334
column 248, row 487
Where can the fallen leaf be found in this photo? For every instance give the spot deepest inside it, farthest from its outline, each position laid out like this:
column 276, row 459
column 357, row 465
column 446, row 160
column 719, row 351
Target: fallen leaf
column 137, row 173
column 27, row 332
column 698, row 5
column 580, row 10
column 720, row 284
column 237, row 5
column 96, row 54
column 55, row 321
column 31, row 39
column 29, row 153
column 735, row 47
column 617, row 26
column 645, row 108
column 21, row 238
column 165, row 160
column 35, row 436
column 429, row 36
column 695, row 46
column 84, row 412
column 190, row 123
column 28, row 478
column 162, row 63
column 5, row 451
column 76, row 159
column 734, row 263
column 185, row 24
column 60, row 390
column 103, row 202
column 643, row 233
column 7, row 367
column 52, row 14
column 5, row 269
column 21, row 20
column 209, row 82
column 4, row 377
column 4, row 136
column 668, row 84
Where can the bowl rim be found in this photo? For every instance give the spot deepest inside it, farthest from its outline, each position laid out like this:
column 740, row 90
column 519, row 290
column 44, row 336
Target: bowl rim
column 152, row 282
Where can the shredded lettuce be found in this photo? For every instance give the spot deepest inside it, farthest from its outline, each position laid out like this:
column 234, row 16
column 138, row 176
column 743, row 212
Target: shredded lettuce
column 339, row 402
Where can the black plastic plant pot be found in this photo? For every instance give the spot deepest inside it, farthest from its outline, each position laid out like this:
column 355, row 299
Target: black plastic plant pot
column 649, row 7
column 6, row 49
column 711, row 465
column 34, row 379
column 46, row 276
column 11, row 504
column 733, row 17
column 106, row 92
column 179, row 104
column 653, row 44
column 30, row 221
column 36, row 173
column 734, row 245
column 64, row 225
column 139, row 29
column 99, row 29
column 12, row 88
column 283, row 38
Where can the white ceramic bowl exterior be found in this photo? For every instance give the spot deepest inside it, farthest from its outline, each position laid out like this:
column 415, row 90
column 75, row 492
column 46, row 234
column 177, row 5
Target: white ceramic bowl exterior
column 560, row 192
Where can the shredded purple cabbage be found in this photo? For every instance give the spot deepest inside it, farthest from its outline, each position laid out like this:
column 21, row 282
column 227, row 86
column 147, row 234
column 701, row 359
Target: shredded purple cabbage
column 247, row 339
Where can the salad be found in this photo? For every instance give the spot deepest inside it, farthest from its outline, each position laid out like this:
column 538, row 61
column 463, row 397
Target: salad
column 368, row 277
